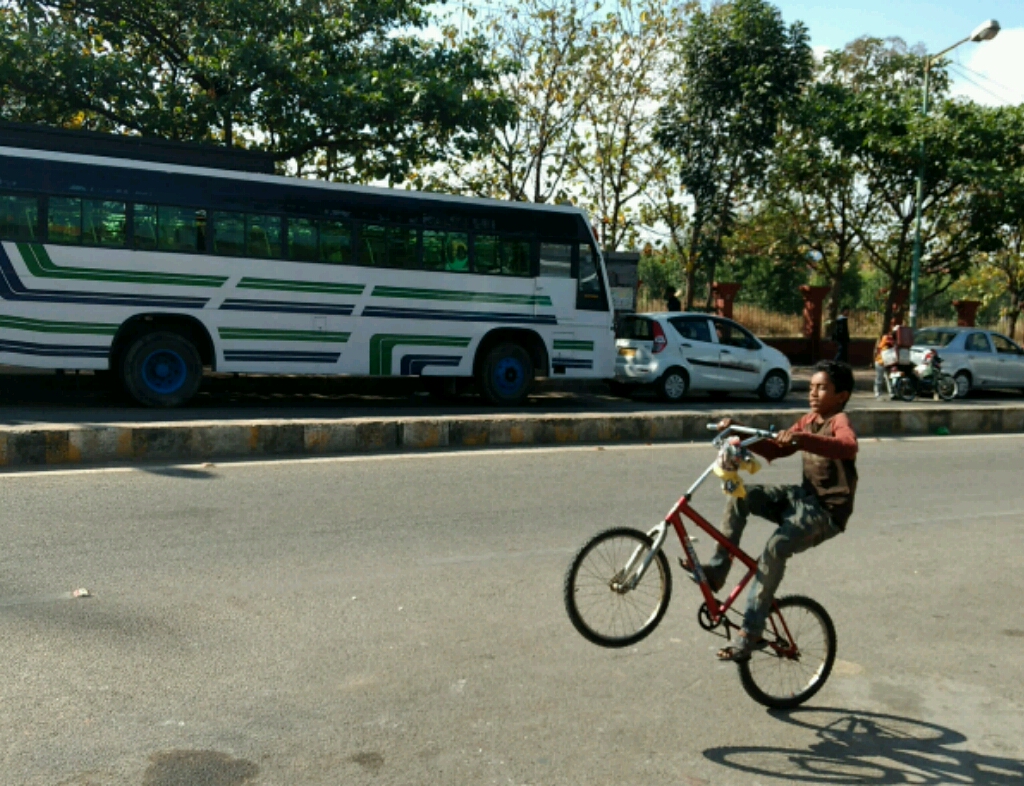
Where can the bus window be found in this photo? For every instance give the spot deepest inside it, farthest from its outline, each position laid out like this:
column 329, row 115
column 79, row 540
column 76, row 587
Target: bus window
column 403, row 247
column 555, row 260
column 229, row 234
column 445, row 251
column 515, row 257
column 263, row 237
column 104, row 223
column 19, row 217
column 336, row 242
column 64, row 220
column 374, row 246
column 589, row 287
column 485, row 254
column 144, row 217
column 180, row 229
column 302, row 240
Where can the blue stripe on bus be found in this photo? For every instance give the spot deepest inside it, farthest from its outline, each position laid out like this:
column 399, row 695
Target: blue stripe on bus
column 285, row 306
column 413, row 365
column 459, row 316
column 53, row 350
column 263, row 356
column 12, row 288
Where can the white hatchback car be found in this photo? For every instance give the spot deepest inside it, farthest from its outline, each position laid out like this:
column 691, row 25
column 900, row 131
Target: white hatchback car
column 677, row 352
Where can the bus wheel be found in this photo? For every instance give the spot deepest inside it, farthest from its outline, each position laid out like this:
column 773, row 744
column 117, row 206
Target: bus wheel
column 506, row 375
column 161, row 370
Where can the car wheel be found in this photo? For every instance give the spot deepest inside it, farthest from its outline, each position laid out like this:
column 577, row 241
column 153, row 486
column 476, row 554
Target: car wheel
column 775, row 386
column 963, row 384
column 673, row 385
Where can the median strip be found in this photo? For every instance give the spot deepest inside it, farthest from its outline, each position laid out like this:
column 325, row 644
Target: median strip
column 61, row 445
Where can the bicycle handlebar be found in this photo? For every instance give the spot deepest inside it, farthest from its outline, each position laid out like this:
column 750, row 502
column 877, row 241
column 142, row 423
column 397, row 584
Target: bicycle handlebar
column 753, row 434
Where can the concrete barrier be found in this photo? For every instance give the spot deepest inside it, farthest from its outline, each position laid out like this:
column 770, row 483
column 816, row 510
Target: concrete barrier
column 56, row 445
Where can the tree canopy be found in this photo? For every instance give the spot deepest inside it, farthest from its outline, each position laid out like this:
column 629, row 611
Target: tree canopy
column 348, row 86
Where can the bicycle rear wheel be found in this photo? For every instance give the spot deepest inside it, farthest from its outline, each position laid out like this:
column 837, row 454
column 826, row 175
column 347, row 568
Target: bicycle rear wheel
column 782, row 675
column 600, row 604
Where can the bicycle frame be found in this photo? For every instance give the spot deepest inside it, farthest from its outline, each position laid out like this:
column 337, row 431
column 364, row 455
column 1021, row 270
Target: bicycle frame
column 682, row 508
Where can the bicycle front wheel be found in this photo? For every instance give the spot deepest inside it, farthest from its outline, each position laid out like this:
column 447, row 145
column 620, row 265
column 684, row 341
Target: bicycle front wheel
column 795, row 665
column 603, row 603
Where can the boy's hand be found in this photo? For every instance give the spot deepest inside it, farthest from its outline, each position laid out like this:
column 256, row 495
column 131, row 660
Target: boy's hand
column 787, row 438
column 724, row 423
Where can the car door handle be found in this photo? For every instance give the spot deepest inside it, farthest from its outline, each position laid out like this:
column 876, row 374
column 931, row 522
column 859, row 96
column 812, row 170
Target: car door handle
column 726, row 352
column 688, row 346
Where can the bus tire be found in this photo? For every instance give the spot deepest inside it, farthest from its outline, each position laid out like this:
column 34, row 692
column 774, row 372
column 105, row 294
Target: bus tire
column 506, row 375
column 161, row 369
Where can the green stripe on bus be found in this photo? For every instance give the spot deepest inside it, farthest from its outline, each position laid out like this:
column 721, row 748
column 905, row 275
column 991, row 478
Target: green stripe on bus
column 40, row 265
column 256, row 334
column 411, row 293
column 45, row 326
column 382, row 346
column 282, row 285
column 578, row 346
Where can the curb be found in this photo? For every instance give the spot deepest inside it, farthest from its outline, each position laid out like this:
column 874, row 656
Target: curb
column 35, row 446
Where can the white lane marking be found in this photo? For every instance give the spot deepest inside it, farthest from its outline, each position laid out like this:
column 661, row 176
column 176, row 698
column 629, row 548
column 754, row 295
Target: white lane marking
column 453, row 453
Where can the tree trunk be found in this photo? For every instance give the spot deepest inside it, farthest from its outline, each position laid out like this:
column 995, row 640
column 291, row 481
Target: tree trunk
column 691, row 264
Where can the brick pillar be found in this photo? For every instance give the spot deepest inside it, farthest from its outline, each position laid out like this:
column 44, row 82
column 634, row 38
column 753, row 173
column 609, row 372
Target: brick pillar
column 966, row 312
column 899, row 307
column 724, row 295
column 813, row 298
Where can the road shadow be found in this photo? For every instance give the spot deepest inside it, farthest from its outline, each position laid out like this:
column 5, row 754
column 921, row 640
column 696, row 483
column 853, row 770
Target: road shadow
column 859, row 748
column 184, row 473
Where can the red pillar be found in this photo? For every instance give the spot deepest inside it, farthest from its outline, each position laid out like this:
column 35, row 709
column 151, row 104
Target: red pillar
column 813, row 298
column 899, row 306
column 966, row 312
column 724, row 295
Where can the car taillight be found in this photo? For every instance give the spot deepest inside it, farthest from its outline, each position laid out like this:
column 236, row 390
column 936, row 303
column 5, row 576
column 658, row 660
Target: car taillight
column 660, row 342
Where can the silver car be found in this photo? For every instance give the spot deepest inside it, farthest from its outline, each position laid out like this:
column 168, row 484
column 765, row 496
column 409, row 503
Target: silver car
column 975, row 358
column 677, row 352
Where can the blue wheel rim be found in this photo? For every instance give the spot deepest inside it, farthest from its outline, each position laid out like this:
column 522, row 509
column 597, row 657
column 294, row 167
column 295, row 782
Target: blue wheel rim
column 509, row 376
column 164, row 371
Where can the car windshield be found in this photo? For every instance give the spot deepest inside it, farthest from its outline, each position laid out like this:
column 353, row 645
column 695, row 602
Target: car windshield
column 935, row 338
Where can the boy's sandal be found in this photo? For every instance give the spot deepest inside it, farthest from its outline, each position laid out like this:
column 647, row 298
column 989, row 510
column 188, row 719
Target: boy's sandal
column 743, row 650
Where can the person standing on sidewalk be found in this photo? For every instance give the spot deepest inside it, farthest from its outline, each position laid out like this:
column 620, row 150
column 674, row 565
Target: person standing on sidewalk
column 884, row 343
column 671, row 301
column 841, row 335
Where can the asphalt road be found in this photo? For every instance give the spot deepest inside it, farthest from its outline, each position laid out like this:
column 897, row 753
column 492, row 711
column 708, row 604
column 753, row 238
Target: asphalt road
column 37, row 398
column 399, row 620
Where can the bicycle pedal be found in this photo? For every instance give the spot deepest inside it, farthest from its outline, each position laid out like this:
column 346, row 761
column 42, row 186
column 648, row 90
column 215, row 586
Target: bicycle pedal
column 689, row 571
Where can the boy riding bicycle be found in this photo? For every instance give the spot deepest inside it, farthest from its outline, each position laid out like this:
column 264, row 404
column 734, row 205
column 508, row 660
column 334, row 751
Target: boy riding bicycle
column 806, row 515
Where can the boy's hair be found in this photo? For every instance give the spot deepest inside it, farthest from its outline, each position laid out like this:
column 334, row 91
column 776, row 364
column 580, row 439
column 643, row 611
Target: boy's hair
column 840, row 373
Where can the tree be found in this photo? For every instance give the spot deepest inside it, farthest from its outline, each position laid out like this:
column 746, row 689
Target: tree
column 630, row 67
column 743, row 70
column 540, row 47
column 347, row 81
column 814, row 182
column 875, row 89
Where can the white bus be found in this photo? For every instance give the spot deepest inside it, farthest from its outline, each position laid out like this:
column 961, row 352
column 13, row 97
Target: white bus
column 156, row 260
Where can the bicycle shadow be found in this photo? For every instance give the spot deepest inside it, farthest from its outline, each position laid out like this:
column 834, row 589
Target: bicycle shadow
column 871, row 748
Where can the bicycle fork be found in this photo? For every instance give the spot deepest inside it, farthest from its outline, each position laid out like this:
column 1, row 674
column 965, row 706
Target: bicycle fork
column 658, row 535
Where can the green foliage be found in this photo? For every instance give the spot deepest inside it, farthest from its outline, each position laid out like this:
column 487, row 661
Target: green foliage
column 743, row 69
column 346, row 84
column 658, row 271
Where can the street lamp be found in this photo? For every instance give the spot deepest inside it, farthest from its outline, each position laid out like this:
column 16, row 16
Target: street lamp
column 983, row 32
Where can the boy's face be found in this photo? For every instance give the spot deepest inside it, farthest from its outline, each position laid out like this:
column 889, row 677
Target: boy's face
column 823, row 397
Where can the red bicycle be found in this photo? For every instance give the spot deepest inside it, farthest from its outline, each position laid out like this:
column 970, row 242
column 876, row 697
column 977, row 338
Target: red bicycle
column 618, row 586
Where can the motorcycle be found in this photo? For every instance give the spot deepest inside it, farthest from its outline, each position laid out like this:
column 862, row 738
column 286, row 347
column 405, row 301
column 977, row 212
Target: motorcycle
column 924, row 379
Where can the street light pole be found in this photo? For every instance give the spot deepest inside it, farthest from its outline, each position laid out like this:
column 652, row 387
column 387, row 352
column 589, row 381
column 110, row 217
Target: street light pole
column 983, row 32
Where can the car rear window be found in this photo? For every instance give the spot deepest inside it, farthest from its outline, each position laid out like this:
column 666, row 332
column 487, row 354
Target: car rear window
column 635, row 329
column 934, row 338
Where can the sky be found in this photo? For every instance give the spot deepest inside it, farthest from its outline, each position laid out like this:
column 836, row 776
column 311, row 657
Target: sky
column 991, row 73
